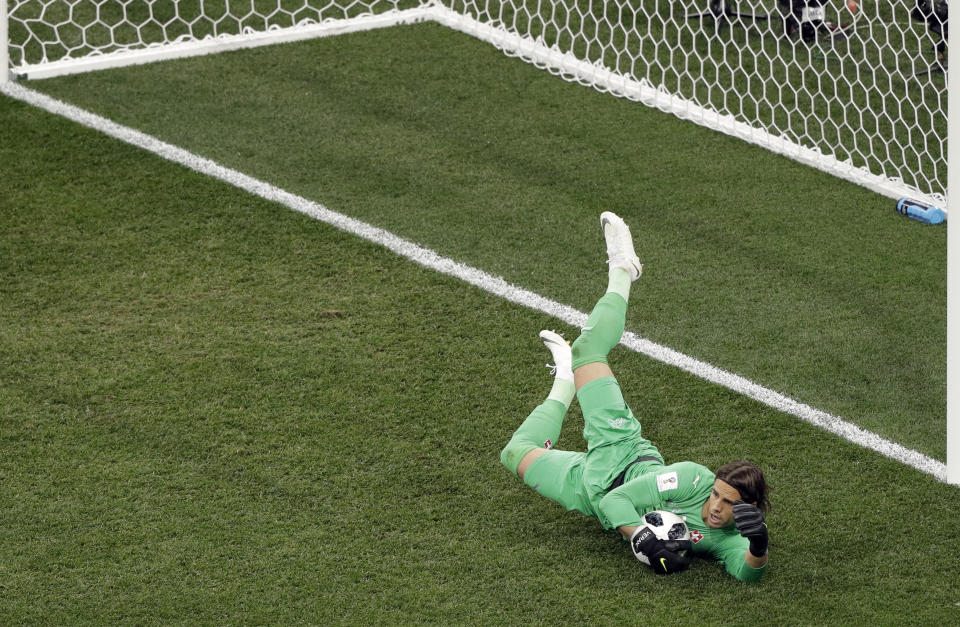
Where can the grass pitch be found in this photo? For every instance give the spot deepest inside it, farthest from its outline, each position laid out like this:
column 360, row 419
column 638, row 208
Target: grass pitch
column 218, row 411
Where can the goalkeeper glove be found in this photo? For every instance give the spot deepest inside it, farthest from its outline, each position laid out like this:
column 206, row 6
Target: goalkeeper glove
column 750, row 524
column 664, row 556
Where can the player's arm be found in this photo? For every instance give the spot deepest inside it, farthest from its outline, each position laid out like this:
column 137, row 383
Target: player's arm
column 735, row 557
column 622, row 509
column 625, row 506
column 755, row 562
column 752, row 526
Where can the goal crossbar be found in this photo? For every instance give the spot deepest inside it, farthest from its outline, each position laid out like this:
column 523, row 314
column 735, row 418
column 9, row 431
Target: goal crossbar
column 221, row 43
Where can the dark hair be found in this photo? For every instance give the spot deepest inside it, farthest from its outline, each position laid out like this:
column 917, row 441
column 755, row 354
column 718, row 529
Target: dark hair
column 748, row 480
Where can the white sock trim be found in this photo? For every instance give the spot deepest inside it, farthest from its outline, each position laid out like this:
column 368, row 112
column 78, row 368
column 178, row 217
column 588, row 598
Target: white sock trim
column 563, row 390
column 619, row 282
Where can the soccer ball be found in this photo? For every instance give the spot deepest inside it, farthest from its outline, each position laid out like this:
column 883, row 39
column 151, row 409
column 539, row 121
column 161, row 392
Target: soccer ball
column 665, row 526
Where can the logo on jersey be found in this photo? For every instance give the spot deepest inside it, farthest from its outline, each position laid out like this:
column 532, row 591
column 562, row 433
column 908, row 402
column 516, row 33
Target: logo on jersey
column 667, row 481
column 618, row 423
column 548, row 445
column 695, row 536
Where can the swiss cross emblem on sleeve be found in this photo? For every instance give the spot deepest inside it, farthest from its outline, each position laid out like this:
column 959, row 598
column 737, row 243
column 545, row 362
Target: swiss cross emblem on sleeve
column 695, row 536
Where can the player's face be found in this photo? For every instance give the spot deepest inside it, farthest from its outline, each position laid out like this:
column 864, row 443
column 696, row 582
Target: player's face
column 718, row 510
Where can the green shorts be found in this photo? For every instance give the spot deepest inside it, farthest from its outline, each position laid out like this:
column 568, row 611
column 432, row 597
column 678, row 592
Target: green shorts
column 579, row 480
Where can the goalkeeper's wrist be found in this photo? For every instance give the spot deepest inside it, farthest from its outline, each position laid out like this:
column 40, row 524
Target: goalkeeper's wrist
column 759, row 545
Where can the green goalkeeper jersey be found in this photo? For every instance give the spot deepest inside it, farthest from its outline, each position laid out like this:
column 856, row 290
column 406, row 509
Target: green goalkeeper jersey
column 681, row 488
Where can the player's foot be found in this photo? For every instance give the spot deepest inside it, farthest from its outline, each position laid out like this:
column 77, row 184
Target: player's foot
column 620, row 252
column 562, row 355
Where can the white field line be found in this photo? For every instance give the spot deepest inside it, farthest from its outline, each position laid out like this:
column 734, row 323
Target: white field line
column 492, row 284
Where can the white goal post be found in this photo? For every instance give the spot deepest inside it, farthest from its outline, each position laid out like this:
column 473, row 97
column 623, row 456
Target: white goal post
column 856, row 88
column 953, row 287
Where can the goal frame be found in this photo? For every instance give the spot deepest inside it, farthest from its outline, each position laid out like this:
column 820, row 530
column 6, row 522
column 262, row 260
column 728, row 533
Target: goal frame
column 210, row 45
column 4, row 44
column 953, row 277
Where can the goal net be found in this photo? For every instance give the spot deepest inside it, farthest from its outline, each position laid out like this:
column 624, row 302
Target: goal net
column 856, row 88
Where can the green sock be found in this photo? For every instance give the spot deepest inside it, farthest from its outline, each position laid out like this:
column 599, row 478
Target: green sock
column 540, row 429
column 619, row 282
column 602, row 332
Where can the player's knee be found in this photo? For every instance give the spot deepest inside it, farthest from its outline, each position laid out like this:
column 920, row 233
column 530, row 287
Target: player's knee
column 586, row 350
column 510, row 456
column 578, row 349
column 514, row 452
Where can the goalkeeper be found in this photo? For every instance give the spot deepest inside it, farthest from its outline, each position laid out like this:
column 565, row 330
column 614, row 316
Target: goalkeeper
column 622, row 476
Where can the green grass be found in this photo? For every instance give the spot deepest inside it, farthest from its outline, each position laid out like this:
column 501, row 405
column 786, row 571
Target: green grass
column 214, row 410
column 807, row 285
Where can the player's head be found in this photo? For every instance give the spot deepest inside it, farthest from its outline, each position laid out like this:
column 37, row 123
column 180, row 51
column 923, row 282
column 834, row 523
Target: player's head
column 747, row 479
column 735, row 481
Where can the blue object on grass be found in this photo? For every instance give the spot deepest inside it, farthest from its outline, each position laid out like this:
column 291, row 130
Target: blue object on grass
column 921, row 211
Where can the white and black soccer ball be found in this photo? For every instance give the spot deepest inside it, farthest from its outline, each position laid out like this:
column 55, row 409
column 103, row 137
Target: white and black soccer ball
column 665, row 526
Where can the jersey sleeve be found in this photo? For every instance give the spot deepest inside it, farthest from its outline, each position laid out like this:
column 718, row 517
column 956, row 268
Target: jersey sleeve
column 732, row 552
column 626, row 505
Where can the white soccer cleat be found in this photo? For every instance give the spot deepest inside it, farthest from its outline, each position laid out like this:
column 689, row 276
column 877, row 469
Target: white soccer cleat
column 620, row 252
column 562, row 354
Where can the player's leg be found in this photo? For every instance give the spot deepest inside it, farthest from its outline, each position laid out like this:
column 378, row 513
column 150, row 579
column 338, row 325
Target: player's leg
column 557, row 475
column 612, row 432
column 539, row 432
column 605, row 325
